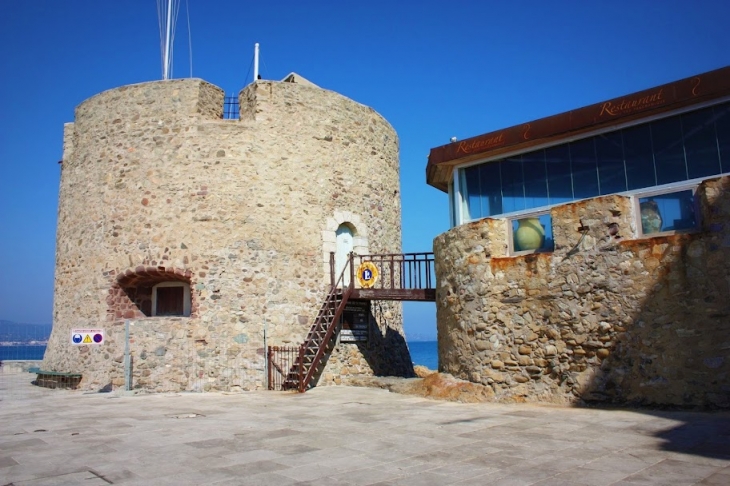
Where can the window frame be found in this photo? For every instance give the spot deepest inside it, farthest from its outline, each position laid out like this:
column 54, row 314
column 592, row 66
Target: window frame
column 511, row 233
column 459, row 196
column 636, row 196
column 186, row 297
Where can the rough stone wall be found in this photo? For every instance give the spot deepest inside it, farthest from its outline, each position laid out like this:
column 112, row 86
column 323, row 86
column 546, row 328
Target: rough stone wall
column 606, row 317
column 155, row 183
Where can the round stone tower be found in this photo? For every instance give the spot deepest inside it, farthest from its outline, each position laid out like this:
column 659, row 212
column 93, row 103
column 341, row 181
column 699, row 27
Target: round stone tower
column 204, row 232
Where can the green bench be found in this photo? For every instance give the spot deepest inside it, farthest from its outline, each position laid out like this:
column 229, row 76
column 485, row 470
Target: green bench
column 55, row 379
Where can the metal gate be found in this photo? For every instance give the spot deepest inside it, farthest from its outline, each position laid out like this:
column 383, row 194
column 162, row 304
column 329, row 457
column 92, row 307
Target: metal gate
column 283, row 372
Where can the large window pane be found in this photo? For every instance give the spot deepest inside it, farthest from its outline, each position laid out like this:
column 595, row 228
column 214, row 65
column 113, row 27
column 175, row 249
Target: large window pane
column 536, row 191
column 610, row 155
column 700, row 144
column 473, row 192
column 513, row 186
column 638, row 157
column 491, row 189
column 722, row 128
column 560, row 184
column 666, row 138
column 585, row 171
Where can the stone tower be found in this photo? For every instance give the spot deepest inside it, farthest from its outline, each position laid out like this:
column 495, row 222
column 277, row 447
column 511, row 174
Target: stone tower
column 202, row 232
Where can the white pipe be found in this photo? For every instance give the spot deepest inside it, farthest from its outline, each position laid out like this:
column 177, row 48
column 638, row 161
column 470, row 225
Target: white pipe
column 166, row 68
column 256, row 62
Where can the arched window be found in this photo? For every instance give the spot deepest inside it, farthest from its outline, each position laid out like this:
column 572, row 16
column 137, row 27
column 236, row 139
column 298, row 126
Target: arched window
column 151, row 291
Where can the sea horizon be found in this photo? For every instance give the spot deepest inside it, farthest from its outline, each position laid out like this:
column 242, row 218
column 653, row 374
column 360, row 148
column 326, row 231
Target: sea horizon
column 423, row 353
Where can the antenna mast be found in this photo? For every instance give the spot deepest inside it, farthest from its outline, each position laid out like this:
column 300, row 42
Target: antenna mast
column 255, row 62
column 168, row 32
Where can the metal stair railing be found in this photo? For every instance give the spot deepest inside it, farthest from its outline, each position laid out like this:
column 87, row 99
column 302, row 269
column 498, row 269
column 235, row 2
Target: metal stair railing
column 319, row 338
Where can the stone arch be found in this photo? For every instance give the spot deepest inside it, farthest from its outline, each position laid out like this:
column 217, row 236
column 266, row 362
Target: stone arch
column 133, row 294
column 329, row 237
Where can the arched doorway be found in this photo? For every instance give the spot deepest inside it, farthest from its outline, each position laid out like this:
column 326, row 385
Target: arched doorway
column 345, row 244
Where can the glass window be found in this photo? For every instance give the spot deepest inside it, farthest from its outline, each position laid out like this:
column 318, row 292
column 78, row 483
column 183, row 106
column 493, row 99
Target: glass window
column 536, row 190
column 585, row 170
column 638, row 157
column 666, row 136
column 473, row 192
column 513, row 185
column 700, row 144
column 491, row 185
column 673, row 211
column 610, row 155
column 532, row 233
column 669, row 150
column 560, row 183
column 722, row 128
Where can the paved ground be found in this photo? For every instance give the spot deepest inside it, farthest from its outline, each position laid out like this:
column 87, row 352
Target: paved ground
column 344, row 436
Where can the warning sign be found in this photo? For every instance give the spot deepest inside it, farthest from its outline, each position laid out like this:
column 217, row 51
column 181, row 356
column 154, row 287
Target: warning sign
column 87, row 336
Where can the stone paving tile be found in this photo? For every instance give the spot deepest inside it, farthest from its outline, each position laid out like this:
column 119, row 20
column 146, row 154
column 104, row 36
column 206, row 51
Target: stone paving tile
column 426, row 478
column 406, row 466
column 295, row 460
column 619, row 462
column 584, row 475
column 86, row 478
column 657, row 455
column 262, row 435
column 671, row 472
column 458, row 471
column 366, row 476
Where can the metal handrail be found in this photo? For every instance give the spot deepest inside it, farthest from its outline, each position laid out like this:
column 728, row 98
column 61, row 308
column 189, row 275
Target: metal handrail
column 331, row 299
column 403, row 271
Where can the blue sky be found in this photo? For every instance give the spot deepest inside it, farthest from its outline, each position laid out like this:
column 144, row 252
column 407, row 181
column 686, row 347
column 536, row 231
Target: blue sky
column 433, row 69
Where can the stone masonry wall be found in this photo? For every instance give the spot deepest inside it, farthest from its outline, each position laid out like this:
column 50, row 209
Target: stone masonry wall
column 606, row 317
column 154, row 183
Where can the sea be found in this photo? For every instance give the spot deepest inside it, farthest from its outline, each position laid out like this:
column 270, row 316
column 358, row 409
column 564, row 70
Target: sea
column 22, row 353
column 425, row 353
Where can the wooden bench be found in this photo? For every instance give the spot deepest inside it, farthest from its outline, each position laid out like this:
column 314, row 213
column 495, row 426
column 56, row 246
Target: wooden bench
column 56, row 379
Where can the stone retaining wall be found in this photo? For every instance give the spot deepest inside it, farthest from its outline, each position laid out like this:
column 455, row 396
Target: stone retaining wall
column 606, row 317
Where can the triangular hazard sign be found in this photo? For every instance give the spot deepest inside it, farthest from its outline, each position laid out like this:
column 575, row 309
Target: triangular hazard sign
column 87, row 339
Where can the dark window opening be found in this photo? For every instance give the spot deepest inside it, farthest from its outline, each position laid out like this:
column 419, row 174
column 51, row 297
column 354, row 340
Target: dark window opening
column 170, row 301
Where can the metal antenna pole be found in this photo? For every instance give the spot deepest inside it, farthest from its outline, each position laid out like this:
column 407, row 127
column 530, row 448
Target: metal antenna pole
column 256, row 62
column 166, row 67
column 127, row 364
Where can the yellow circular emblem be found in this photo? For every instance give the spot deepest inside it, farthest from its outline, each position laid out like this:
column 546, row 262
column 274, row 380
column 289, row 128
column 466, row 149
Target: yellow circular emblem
column 367, row 274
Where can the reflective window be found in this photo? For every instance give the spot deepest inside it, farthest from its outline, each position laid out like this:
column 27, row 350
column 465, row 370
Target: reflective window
column 584, row 168
column 560, row 181
column 638, row 157
column 673, row 211
column 673, row 149
column 722, row 125
column 533, row 233
column 700, row 143
column 513, row 185
column 666, row 136
column 611, row 170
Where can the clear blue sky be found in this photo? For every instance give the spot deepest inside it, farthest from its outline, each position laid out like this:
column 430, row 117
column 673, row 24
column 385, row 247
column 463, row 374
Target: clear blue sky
column 434, row 69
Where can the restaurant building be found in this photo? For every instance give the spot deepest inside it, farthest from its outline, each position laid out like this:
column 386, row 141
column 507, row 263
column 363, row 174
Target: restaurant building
column 588, row 255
